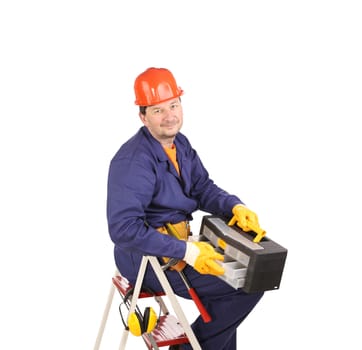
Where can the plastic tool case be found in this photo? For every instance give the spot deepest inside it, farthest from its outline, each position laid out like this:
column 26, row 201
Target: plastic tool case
column 252, row 266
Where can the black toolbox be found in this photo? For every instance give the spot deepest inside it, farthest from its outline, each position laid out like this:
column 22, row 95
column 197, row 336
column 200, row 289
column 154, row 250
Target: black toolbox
column 252, row 266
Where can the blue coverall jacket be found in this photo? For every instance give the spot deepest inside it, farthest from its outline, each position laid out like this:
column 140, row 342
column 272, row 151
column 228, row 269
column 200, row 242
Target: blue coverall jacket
column 145, row 191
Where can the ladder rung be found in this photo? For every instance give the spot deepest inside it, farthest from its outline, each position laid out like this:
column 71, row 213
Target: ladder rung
column 123, row 286
column 168, row 332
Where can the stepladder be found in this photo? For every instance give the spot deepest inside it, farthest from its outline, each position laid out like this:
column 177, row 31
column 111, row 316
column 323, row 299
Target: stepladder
column 171, row 329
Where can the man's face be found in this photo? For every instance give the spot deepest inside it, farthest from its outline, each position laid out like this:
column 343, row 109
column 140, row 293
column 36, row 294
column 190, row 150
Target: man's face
column 164, row 120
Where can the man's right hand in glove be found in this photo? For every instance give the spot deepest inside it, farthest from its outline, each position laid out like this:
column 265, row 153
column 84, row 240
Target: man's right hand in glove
column 201, row 256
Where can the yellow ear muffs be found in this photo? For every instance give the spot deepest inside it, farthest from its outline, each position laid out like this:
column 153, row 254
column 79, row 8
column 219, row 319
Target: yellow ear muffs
column 146, row 323
column 137, row 323
column 150, row 320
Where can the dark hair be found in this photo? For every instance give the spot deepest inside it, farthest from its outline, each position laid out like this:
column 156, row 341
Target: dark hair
column 143, row 109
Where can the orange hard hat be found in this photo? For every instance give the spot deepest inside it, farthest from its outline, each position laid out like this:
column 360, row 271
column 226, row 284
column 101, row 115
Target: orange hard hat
column 155, row 85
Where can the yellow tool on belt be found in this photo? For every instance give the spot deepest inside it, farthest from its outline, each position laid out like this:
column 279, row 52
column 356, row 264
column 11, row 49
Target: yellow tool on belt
column 172, row 231
column 181, row 231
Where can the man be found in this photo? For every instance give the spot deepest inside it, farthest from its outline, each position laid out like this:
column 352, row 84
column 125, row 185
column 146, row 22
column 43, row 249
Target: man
column 155, row 179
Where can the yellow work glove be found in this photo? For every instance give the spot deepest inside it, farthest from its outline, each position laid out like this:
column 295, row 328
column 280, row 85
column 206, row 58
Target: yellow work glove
column 201, row 256
column 247, row 220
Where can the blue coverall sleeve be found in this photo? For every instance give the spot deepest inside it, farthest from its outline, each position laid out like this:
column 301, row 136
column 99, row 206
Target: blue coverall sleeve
column 130, row 189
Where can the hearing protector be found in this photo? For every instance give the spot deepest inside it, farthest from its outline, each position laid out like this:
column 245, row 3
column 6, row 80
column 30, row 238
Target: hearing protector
column 138, row 323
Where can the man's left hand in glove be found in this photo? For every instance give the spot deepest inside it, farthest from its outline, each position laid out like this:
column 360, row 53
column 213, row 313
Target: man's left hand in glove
column 247, row 220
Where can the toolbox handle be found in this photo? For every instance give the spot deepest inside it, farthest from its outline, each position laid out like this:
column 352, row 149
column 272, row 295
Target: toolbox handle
column 260, row 233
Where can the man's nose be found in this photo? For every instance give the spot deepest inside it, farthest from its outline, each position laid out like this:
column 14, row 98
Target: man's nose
column 169, row 113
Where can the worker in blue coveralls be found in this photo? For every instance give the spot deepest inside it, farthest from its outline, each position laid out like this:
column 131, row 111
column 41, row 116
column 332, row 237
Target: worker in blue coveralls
column 156, row 178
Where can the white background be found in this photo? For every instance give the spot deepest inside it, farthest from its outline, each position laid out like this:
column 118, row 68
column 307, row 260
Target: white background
column 272, row 102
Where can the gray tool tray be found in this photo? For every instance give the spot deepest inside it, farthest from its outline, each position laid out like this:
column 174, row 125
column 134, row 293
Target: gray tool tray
column 254, row 267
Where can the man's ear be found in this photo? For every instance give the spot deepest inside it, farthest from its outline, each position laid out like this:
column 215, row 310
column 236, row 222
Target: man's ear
column 142, row 117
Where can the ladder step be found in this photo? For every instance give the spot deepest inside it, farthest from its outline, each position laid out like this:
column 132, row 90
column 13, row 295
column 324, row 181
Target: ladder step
column 123, row 286
column 167, row 332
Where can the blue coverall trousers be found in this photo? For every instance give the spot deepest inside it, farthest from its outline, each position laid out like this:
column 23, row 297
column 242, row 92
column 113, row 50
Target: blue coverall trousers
column 227, row 306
